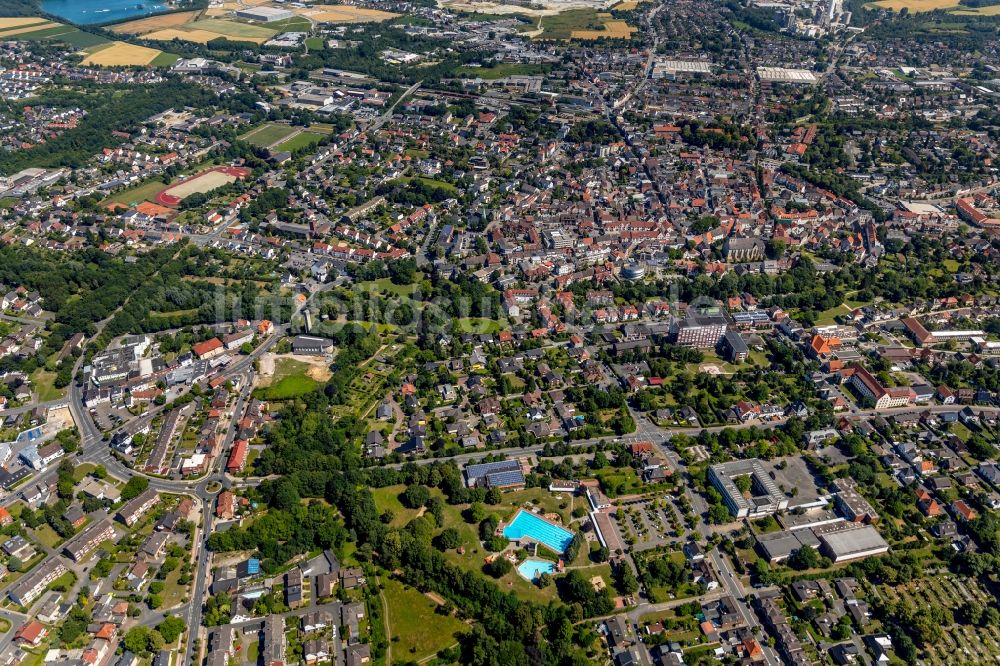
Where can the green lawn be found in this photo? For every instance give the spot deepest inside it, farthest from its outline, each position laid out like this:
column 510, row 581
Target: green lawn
column 294, row 24
column 478, row 325
column 290, row 381
column 47, row 536
column 44, row 382
column 388, row 499
column 83, row 470
column 146, row 191
column 616, row 481
column 431, row 182
column 828, row 317
column 415, row 629
column 314, row 43
column 165, row 60
column 300, row 140
column 268, row 134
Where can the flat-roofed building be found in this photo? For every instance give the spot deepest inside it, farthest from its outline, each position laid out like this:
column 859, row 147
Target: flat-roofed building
column 264, row 14
column 847, row 541
column 766, row 498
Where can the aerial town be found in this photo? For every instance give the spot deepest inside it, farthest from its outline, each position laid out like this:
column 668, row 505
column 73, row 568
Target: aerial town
column 499, row 333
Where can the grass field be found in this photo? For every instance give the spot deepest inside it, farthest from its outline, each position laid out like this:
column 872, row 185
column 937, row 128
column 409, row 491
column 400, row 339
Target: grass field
column 153, row 23
column 478, row 325
column 387, row 499
column 421, row 631
column 268, row 134
column 47, row 536
column 37, row 29
column 290, row 380
column 44, row 382
column 117, row 54
column 164, row 59
column 584, row 24
column 144, row 192
column 300, row 140
column 502, row 70
column 432, row 182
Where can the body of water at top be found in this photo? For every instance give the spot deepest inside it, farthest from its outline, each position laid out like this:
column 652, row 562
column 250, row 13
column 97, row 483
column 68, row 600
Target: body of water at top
column 88, row 12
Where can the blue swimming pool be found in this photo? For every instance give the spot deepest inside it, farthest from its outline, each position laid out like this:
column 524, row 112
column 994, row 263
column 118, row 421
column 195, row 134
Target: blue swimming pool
column 532, row 569
column 526, row 524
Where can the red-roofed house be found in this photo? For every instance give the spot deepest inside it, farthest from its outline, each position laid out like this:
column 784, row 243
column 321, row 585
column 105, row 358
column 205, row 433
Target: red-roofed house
column 32, row 633
column 208, row 348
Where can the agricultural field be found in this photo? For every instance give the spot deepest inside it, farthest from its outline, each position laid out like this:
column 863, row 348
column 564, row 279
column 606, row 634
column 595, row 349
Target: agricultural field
column 416, row 629
column 343, row 14
column 613, row 29
column 233, row 29
column 915, row 6
column 33, row 28
column 584, row 24
column 154, row 23
column 202, row 183
column 24, row 25
column 8, row 22
column 204, row 30
column 269, row 134
column 117, row 54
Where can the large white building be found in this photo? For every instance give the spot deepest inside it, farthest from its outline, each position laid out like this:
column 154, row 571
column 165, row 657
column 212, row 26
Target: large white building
column 264, row 14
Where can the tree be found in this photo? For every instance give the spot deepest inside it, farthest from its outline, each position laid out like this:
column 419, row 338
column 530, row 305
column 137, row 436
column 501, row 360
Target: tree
column 804, row 558
column 625, row 579
column 142, row 640
column 135, row 487
column 494, row 496
column 171, row 628
column 415, row 496
column 449, row 539
column 476, row 513
column 499, row 567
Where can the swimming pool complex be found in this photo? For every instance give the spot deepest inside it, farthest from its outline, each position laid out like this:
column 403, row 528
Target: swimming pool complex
column 532, row 569
column 550, row 535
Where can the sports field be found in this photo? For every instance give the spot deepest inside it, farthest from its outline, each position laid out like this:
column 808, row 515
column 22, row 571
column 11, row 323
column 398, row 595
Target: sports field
column 204, row 182
column 343, row 14
column 300, row 140
column 117, row 54
column 268, row 134
column 153, row 23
